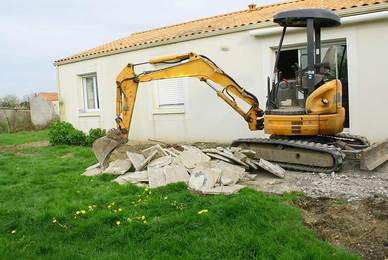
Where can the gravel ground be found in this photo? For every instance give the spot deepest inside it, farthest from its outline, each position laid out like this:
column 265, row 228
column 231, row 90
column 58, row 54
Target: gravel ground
column 350, row 184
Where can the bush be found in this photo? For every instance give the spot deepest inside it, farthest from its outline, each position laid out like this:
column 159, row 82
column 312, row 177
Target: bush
column 94, row 134
column 65, row 133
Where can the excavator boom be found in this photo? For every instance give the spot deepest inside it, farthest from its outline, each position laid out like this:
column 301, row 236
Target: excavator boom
column 178, row 66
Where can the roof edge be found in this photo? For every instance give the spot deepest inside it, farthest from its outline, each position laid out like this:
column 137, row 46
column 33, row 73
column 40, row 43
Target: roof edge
column 342, row 13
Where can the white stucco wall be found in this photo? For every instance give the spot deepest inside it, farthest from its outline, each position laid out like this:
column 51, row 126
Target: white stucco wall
column 249, row 60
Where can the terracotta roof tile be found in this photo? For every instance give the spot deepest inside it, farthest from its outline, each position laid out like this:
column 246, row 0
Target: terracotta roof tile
column 49, row 96
column 216, row 23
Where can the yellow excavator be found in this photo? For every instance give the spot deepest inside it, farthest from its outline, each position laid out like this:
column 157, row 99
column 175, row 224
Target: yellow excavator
column 304, row 116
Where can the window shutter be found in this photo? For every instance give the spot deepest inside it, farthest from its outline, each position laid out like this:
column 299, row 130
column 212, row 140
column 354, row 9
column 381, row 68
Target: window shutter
column 170, row 92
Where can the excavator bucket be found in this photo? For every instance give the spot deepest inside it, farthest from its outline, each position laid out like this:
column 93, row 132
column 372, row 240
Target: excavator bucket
column 104, row 146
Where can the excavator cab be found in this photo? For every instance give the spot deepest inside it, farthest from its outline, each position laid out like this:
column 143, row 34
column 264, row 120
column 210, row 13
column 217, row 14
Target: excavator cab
column 311, row 103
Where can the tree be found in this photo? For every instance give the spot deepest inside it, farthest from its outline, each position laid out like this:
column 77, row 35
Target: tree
column 10, row 101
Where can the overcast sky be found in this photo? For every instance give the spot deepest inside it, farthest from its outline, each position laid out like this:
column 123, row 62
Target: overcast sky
column 35, row 33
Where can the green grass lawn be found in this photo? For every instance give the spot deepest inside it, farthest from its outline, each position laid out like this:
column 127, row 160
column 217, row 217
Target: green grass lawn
column 23, row 137
column 48, row 210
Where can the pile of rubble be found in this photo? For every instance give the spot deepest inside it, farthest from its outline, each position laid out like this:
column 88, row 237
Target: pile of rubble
column 208, row 171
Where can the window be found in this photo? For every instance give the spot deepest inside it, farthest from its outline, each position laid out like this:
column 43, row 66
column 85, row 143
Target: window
column 90, row 90
column 170, row 93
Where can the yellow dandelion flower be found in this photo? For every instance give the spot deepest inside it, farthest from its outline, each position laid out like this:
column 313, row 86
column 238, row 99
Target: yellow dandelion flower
column 145, row 221
column 146, row 189
column 109, row 206
column 142, row 218
column 165, row 197
column 54, row 220
column 118, row 222
column 13, row 231
column 83, row 211
column 119, row 209
column 203, row 211
column 94, row 206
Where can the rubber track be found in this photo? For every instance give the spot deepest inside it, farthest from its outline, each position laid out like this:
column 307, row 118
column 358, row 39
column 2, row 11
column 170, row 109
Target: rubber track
column 335, row 152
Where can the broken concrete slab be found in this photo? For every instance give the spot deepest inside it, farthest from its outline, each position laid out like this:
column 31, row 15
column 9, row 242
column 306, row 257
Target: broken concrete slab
column 156, row 177
column 94, row 171
column 204, row 178
column 228, row 155
column 191, row 157
column 161, row 161
column 219, row 157
column 230, row 171
column 225, row 181
column 160, row 152
column 251, row 164
column 118, row 167
column 138, row 176
column 275, row 169
column 172, row 151
column 176, row 173
column 148, row 160
column 226, row 190
column 91, row 167
column 136, row 159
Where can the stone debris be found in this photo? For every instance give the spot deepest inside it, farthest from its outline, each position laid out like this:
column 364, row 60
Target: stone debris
column 272, row 168
column 191, row 157
column 209, row 171
column 156, row 177
column 118, row 167
column 159, row 151
column 160, row 162
column 176, row 173
column 133, row 177
column 136, row 159
column 93, row 170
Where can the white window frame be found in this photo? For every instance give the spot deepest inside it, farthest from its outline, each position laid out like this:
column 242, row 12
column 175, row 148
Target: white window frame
column 173, row 109
column 96, row 93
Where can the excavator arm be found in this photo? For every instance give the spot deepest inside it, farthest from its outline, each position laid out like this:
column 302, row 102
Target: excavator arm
column 178, row 66
column 186, row 65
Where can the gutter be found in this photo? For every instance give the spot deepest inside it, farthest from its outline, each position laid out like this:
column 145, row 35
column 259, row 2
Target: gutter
column 344, row 21
column 253, row 29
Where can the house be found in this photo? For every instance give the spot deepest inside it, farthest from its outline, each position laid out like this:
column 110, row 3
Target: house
column 243, row 44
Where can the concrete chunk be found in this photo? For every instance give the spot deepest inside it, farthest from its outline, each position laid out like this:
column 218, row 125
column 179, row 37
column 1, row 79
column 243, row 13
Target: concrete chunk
column 231, row 171
column 156, row 177
column 226, row 181
column 219, row 157
column 94, row 171
column 118, row 167
column 191, row 157
column 204, row 178
column 176, row 173
column 139, row 176
column 136, row 159
column 91, row 167
column 160, row 152
column 161, row 161
column 272, row 168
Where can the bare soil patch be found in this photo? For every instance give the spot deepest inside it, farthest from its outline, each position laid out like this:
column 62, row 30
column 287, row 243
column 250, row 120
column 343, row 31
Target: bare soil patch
column 360, row 226
column 12, row 148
